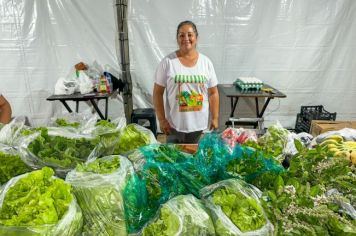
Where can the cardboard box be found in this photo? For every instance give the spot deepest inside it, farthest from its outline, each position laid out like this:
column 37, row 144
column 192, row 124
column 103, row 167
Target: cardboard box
column 321, row 126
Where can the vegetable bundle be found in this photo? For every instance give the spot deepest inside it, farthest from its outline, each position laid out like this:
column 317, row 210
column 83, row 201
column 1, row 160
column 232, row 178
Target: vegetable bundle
column 38, row 204
column 98, row 186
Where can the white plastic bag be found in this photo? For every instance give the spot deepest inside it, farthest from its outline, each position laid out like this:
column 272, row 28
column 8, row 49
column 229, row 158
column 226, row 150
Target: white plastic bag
column 66, row 86
column 85, row 84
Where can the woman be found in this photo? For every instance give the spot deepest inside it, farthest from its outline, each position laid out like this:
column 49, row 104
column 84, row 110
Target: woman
column 190, row 82
column 5, row 110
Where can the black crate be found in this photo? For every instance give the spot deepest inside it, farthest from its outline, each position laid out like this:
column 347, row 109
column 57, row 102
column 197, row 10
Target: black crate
column 301, row 124
column 309, row 113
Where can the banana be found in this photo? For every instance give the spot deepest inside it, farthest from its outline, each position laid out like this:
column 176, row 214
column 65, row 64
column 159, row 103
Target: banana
column 349, row 144
column 336, row 137
column 328, row 141
column 342, row 154
column 353, row 158
column 334, row 150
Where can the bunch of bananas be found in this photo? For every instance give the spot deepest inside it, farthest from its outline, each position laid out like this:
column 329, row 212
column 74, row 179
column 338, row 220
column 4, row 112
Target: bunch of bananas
column 340, row 148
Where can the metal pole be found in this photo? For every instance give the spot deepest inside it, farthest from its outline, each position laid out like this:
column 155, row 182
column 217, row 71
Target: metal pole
column 121, row 8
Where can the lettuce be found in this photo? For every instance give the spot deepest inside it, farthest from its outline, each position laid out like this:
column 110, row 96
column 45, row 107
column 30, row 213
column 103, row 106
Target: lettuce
column 131, row 138
column 100, row 166
column 183, row 215
column 245, row 212
column 97, row 186
column 11, row 166
column 36, row 199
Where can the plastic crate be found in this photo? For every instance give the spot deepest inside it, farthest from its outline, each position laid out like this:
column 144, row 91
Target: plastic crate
column 301, row 124
column 309, row 113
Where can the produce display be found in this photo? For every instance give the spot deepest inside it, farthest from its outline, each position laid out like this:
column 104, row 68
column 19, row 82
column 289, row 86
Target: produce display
column 183, row 215
column 233, row 184
column 38, row 204
column 97, row 186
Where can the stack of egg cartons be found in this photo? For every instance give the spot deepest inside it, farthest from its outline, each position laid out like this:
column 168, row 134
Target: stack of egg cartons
column 249, row 83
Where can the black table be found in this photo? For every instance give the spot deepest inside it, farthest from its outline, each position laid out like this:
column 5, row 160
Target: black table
column 77, row 97
column 234, row 93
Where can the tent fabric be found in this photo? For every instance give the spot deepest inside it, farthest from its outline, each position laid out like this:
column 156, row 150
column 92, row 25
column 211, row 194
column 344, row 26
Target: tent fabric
column 304, row 48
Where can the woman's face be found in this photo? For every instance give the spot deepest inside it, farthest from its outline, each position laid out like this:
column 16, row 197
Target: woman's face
column 187, row 39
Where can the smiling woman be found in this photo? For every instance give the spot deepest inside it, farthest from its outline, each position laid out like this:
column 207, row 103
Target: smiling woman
column 189, row 80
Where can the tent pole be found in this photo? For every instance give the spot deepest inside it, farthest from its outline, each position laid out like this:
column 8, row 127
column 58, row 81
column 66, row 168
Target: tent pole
column 121, row 8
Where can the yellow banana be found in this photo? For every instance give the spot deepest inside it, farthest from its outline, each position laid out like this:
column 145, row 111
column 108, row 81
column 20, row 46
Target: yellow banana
column 349, row 144
column 334, row 150
column 342, row 154
column 329, row 141
column 336, row 137
column 353, row 157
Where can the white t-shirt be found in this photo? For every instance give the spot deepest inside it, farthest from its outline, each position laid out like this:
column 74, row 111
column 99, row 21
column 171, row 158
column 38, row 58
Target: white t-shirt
column 186, row 95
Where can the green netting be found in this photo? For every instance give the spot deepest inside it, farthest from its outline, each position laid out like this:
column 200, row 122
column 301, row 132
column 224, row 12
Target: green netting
column 152, row 185
column 251, row 165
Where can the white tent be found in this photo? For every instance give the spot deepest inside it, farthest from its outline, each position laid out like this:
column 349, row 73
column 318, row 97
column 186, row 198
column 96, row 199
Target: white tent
column 305, row 48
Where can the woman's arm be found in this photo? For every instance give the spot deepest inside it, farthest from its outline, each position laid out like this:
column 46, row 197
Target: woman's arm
column 159, row 107
column 214, row 107
column 5, row 110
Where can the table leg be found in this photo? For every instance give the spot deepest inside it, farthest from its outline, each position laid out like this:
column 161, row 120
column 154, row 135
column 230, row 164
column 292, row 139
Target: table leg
column 97, row 108
column 66, row 105
column 233, row 105
column 264, row 108
column 257, row 107
column 77, row 106
column 106, row 108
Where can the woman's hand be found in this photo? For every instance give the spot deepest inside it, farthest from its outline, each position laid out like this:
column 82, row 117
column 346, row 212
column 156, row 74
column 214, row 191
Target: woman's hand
column 214, row 124
column 165, row 126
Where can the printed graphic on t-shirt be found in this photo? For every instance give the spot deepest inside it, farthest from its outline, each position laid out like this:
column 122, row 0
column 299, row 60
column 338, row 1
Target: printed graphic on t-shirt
column 190, row 99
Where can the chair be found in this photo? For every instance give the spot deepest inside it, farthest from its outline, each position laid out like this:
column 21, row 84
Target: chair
column 145, row 114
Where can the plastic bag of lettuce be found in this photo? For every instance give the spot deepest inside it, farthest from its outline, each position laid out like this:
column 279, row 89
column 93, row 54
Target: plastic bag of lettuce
column 134, row 136
column 182, row 215
column 236, row 209
column 58, row 148
column 11, row 164
column 98, row 185
column 37, row 203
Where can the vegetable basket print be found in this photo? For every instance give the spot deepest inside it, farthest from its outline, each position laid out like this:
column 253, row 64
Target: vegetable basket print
column 190, row 96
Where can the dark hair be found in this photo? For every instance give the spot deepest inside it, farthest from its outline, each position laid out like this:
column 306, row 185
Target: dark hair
column 187, row 22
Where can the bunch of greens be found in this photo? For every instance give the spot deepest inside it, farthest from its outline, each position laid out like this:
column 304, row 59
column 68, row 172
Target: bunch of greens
column 131, row 138
column 59, row 151
column 100, row 166
column 11, row 166
column 35, row 199
column 61, row 122
column 251, row 166
column 98, row 186
column 314, row 197
column 152, row 185
column 235, row 208
column 108, row 136
column 245, row 212
column 182, row 215
column 272, row 142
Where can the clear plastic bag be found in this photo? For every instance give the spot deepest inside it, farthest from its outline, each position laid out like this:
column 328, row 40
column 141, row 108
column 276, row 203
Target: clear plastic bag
column 183, row 215
column 235, row 208
column 134, row 136
column 11, row 163
column 58, row 148
column 12, row 133
column 99, row 194
column 69, row 224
